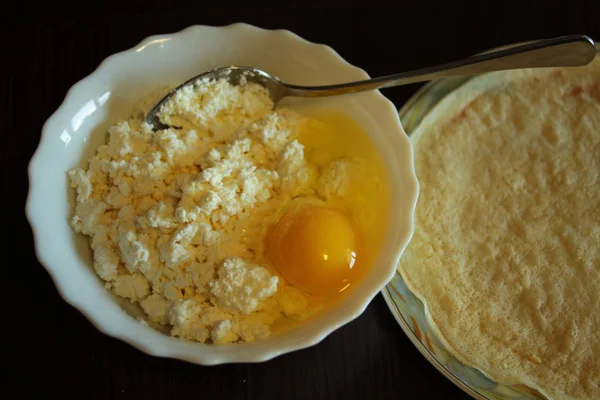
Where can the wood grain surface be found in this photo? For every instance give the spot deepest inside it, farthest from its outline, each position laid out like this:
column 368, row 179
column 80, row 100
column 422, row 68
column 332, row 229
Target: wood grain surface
column 51, row 349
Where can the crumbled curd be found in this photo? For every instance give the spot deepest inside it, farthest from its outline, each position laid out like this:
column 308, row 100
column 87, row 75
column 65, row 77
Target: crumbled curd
column 178, row 218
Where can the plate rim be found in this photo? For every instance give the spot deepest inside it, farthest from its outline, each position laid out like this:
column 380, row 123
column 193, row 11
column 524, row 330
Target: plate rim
column 424, row 351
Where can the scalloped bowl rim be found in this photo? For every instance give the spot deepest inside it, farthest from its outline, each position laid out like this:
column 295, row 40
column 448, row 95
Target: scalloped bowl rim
column 175, row 348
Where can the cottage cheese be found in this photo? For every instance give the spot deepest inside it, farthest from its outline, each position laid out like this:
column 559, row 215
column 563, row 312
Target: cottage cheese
column 177, row 218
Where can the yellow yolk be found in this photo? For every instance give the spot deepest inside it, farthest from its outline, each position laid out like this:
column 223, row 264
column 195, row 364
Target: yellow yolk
column 317, row 249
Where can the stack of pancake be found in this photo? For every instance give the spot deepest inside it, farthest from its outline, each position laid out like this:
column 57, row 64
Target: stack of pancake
column 506, row 251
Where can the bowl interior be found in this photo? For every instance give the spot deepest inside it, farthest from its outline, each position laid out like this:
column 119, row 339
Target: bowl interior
column 71, row 135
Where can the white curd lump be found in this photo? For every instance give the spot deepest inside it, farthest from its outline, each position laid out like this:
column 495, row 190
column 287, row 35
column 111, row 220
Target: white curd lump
column 177, row 218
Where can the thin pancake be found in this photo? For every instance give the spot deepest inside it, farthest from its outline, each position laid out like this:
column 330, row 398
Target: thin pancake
column 506, row 252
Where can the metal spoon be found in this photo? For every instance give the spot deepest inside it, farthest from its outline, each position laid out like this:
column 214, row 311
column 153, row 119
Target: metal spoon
column 564, row 51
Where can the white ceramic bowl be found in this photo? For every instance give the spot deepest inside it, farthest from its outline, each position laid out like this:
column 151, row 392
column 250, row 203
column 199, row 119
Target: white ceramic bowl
column 72, row 133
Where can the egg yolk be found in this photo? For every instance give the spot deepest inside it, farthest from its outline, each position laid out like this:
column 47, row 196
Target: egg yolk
column 317, row 249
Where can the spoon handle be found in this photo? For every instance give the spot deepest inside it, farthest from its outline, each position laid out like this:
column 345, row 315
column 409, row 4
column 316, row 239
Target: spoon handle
column 564, row 51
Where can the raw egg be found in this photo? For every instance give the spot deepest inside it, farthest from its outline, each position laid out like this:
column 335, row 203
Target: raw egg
column 317, row 249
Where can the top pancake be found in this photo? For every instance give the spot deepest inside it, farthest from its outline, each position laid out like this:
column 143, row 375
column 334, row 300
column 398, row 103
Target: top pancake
column 506, row 251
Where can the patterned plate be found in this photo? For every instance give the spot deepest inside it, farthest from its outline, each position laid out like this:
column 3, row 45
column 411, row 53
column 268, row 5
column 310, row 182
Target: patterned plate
column 408, row 309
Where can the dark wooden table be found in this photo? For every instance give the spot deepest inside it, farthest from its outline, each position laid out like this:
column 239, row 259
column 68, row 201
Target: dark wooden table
column 52, row 349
